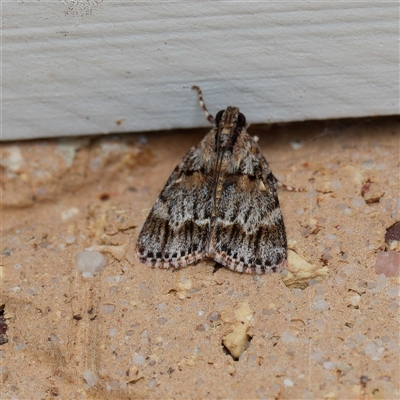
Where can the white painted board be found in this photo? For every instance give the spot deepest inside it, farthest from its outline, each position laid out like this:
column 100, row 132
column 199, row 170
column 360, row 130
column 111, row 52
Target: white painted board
column 133, row 63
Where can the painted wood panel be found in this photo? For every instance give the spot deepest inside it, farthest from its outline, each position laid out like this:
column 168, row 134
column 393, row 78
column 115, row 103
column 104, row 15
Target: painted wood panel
column 129, row 66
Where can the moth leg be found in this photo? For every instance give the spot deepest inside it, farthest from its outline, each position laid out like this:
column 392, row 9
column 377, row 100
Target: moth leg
column 287, row 187
column 202, row 105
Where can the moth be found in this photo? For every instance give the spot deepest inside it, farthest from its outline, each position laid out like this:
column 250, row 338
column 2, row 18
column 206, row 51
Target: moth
column 220, row 202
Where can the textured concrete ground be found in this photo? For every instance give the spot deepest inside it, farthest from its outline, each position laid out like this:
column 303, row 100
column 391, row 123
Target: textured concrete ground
column 327, row 328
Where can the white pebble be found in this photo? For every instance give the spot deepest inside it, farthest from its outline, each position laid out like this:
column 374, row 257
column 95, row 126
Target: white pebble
column 359, row 338
column 71, row 212
column 287, row 337
column 112, row 332
column 329, row 365
column 138, row 359
column 296, row 144
column 368, row 164
column 200, row 312
column 321, row 305
column 318, row 356
column 336, row 185
column 392, row 292
column 152, row 383
column 358, row 201
column 108, row 309
column 20, row 346
column 69, row 239
column 297, row 293
column 144, row 334
column 370, row 347
column 288, row 382
column 393, row 305
column 319, row 323
column 381, row 282
column 89, row 263
column 90, row 378
column 393, row 345
column 162, row 306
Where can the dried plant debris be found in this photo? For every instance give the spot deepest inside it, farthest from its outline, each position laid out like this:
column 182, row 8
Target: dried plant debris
column 372, row 191
column 300, row 271
column 237, row 340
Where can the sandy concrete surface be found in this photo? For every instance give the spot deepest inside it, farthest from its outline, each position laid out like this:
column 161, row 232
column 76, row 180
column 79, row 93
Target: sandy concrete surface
column 327, row 328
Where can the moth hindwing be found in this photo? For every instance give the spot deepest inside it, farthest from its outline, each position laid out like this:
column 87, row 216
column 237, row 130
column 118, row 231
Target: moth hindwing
column 220, row 202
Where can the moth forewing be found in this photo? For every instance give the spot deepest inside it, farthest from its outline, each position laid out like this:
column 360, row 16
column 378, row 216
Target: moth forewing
column 220, row 202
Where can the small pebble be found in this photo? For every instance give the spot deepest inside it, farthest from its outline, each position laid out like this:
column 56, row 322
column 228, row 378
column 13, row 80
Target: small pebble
column 321, row 305
column 336, row 185
column 392, row 292
column 112, row 332
column 214, row 316
column 388, row 263
column 108, row 309
column 6, row 252
column 162, row 306
column 200, row 328
column 359, row 338
column 296, row 292
column 89, row 263
column 287, row 337
column 370, row 347
column 318, row 356
column 152, row 383
column 368, row 164
column 393, row 345
column 381, row 282
column 329, row 365
column 357, row 201
column 69, row 239
column 319, row 323
column 343, row 367
column 70, row 213
column 393, row 305
column 138, row 359
column 393, row 233
column 296, row 144
column 90, row 378
column 162, row 320
column 288, row 382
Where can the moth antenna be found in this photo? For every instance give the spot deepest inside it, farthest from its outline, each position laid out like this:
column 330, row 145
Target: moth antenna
column 202, row 105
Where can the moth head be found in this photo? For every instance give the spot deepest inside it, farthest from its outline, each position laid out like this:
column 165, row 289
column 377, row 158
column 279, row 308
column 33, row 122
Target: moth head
column 231, row 116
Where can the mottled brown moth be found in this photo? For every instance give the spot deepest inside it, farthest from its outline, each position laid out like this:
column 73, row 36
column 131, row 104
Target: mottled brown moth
column 220, row 202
